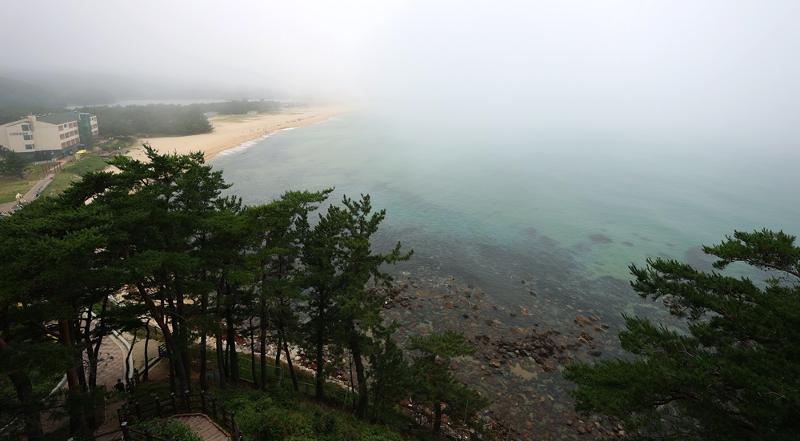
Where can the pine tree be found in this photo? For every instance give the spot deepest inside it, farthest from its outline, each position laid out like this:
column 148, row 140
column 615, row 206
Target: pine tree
column 11, row 164
column 733, row 372
column 435, row 383
column 56, row 268
column 278, row 230
column 358, row 305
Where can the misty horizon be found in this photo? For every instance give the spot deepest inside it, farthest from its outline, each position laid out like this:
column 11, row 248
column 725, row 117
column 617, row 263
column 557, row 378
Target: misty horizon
column 703, row 70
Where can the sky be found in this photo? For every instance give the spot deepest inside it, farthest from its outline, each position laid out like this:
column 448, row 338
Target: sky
column 706, row 67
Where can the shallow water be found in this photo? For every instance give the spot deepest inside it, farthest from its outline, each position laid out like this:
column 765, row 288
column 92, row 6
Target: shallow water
column 563, row 212
column 545, row 225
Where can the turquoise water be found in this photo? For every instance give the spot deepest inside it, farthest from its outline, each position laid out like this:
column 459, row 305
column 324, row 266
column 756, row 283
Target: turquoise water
column 566, row 213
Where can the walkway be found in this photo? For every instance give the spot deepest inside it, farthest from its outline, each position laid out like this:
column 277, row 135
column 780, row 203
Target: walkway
column 110, row 367
column 32, row 194
column 203, row 426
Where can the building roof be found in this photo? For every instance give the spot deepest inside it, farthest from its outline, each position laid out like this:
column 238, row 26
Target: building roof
column 59, row 118
column 13, row 123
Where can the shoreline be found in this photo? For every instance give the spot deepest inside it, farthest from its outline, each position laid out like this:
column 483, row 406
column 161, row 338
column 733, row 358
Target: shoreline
column 233, row 132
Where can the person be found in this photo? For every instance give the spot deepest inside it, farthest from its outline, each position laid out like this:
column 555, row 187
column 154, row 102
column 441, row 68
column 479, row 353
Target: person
column 119, row 387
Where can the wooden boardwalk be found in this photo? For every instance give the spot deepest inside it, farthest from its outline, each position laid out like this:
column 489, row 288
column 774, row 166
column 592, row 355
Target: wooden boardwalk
column 203, row 426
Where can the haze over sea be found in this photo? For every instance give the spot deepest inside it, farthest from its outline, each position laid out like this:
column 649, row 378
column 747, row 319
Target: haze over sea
column 560, row 213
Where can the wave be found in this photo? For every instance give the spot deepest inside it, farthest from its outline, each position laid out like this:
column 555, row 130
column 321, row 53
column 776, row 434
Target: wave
column 247, row 144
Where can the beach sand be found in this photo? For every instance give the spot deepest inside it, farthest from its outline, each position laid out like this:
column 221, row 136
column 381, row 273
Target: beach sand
column 233, row 130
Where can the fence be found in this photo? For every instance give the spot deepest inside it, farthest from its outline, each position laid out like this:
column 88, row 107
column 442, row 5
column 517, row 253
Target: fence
column 136, row 411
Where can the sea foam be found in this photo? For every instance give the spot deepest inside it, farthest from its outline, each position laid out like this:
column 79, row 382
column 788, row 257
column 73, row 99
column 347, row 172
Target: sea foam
column 247, row 144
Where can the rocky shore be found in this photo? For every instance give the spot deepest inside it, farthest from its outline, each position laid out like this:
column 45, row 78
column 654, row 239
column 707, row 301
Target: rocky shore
column 518, row 360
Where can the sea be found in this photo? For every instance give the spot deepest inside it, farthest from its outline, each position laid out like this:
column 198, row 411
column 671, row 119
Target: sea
column 543, row 223
column 560, row 211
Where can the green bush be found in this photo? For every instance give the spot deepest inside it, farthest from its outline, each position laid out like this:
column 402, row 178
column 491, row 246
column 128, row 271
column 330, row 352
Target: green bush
column 262, row 417
column 324, row 423
column 170, row 429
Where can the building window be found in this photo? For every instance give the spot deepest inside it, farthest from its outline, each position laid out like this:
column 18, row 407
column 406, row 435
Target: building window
column 26, row 127
column 28, row 146
column 27, row 136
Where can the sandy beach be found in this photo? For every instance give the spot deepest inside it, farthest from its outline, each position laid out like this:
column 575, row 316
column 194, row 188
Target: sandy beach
column 232, row 130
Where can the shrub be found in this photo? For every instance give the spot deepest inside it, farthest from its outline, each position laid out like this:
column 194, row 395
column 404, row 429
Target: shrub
column 170, row 429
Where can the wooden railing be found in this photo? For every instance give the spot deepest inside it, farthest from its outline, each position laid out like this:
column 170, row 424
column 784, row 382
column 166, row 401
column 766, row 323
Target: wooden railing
column 136, row 411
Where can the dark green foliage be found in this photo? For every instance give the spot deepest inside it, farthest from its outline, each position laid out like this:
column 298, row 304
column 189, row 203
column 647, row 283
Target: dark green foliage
column 732, row 373
column 196, row 264
column 149, row 120
column 391, row 376
column 262, row 419
column 340, row 265
column 11, row 164
column 435, row 383
column 444, row 345
column 169, row 119
column 64, row 247
column 168, row 429
column 239, row 107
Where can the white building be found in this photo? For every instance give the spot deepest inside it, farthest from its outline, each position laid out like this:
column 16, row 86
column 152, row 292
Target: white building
column 53, row 134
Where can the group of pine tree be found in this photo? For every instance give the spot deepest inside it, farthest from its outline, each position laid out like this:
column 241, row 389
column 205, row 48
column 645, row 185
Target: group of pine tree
column 293, row 275
column 156, row 243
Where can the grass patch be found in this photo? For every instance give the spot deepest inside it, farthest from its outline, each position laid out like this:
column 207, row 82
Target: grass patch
column 264, row 417
column 72, row 172
column 281, row 378
column 10, row 186
column 277, row 415
column 169, row 429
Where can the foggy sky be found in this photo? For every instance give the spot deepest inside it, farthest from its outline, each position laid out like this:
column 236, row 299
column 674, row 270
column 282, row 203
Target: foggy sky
column 705, row 67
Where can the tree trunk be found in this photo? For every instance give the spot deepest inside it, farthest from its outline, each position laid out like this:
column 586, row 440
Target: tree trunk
column 93, row 350
column 363, row 397
column 169, row 341
column 352, row 383
column 221, row 369
column 66, row 339
column 319, row 374
column 203, row 343
column 182, row 340
column 437, row 416
column 145, row 375
column 262, row 337
column 77, row 421
column 291, row 367
column 277, row 364
column 91, row 381
column 233, row 356
column 253, row 355
column 76, row 341
column 127, row 361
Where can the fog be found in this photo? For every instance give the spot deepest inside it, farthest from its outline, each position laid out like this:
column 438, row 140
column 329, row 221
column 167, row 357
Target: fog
column 700, row 69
